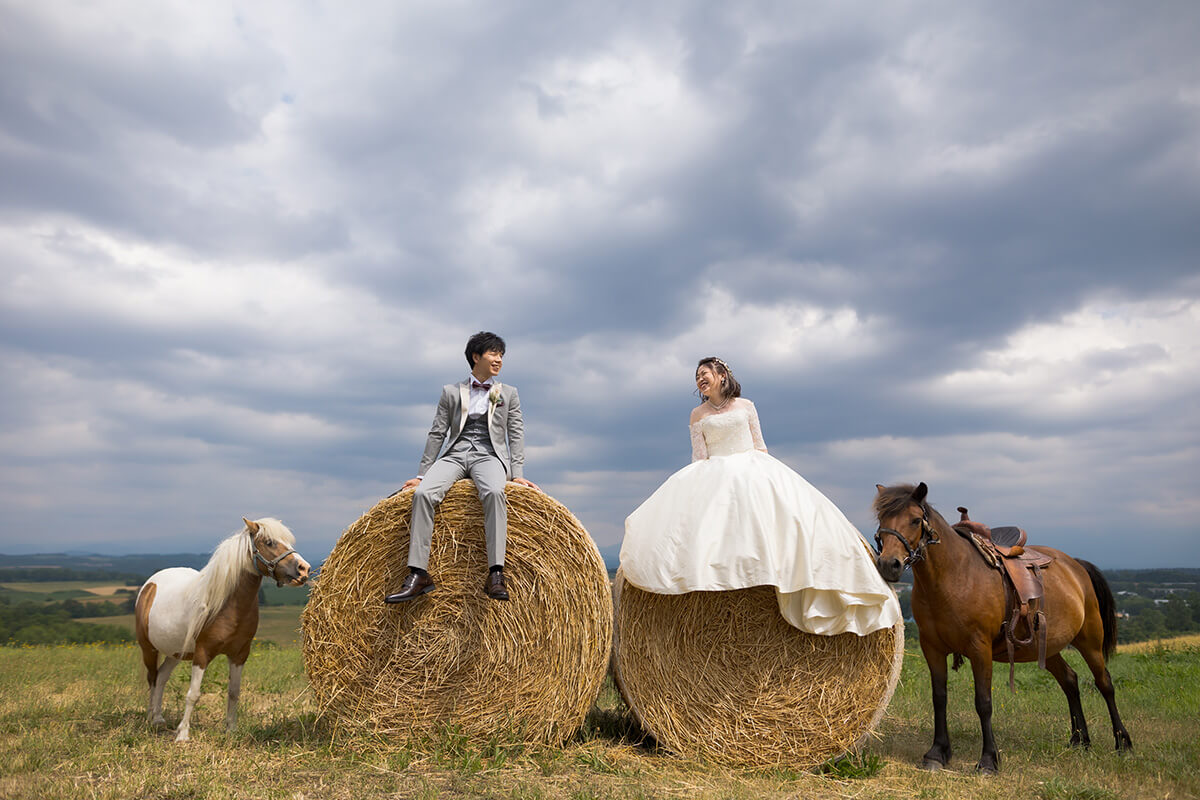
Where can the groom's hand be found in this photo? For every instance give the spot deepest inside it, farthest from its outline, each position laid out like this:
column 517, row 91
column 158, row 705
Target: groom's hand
column 524, row 482
column 411, row 482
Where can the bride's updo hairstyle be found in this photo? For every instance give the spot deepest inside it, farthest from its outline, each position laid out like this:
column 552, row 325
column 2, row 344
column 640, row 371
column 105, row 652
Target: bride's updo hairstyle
column 729, row 385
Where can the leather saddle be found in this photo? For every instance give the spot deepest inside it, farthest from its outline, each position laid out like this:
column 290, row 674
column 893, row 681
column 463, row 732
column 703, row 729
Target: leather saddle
column 1004, row 550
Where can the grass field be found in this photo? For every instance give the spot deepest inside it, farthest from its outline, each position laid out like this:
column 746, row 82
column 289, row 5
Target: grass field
column 276, row 624
column 279, row 624
column 98, row 588
column 72, row 725
column 58, row 591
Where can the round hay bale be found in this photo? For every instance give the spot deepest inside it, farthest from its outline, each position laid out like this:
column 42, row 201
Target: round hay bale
column 722, row 676
column 527, row 669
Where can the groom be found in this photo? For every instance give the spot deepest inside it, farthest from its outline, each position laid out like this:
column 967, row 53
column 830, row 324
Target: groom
column 475, row 417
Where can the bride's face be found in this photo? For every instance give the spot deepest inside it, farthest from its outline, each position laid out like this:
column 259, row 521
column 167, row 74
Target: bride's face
column 708, row 381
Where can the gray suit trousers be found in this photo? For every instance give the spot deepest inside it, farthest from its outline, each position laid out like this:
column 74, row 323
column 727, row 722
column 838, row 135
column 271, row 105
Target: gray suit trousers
column 488, row 473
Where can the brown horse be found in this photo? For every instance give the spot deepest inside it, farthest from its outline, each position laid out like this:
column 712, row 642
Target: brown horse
column 958, row 602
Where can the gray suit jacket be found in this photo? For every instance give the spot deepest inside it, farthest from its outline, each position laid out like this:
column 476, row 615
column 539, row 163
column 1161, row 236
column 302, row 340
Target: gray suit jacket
column 505, row 426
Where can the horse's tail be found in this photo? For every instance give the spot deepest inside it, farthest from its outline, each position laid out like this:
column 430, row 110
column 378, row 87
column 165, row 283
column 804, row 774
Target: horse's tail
column 1108, row 607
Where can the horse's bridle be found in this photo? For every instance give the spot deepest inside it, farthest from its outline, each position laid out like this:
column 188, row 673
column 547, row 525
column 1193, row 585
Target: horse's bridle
column 259, row 558
column 926, row 538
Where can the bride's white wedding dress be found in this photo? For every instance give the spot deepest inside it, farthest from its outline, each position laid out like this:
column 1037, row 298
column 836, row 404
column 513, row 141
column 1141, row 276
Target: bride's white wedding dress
column 737, row 517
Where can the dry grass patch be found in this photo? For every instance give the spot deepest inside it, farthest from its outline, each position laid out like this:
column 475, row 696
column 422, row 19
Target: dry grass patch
column 1190, row 641
column 109, row 591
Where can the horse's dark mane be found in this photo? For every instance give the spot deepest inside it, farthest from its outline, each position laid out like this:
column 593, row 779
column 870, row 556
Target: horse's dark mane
column 892, row 500
column 938, row 520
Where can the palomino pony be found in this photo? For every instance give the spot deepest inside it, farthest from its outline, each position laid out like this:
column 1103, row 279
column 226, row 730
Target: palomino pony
column 185, row 614
column 958, row 602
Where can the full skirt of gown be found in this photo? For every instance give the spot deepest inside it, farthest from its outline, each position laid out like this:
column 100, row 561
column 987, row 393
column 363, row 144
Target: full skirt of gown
column 746, row 519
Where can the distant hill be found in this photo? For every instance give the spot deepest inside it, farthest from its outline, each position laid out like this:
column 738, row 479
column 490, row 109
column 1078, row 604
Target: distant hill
column 131, row 570
column 1165, row 575
column 77, row 566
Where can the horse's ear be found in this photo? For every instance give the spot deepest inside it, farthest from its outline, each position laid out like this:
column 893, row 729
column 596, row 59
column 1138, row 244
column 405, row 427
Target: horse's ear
column 879, row 487
column 252, row 526
column 919, row 493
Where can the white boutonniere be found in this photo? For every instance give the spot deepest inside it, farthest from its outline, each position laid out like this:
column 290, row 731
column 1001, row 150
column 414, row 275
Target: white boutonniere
column 494, row 397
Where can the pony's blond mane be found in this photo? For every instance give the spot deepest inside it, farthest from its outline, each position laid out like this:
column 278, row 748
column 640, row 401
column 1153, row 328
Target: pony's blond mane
column 231, row 559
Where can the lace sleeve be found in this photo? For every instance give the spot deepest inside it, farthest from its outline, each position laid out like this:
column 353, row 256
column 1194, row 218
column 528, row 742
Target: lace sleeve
column 756, row 429
column 699, row 448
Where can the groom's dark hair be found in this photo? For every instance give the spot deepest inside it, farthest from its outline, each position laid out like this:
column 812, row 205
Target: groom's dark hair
column 480, row 343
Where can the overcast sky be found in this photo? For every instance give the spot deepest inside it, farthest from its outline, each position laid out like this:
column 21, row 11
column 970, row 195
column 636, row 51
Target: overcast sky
column 242, row 246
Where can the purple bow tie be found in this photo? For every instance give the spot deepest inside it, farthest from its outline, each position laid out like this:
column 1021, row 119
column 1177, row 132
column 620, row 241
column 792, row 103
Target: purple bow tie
column 478, row 385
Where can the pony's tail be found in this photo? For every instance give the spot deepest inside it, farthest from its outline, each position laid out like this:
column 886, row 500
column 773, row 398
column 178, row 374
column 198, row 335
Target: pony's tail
column 1108, row 607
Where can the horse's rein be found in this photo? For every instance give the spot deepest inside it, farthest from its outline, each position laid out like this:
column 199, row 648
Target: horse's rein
column 927, row 538
column 259, row 558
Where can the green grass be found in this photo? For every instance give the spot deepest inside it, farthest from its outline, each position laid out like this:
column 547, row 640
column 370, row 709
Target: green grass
column 53, row 587
column 58, row 591
column 55, row 596
column 82, row 590
column 19, row 596
column 277, row 624
column 72, row 725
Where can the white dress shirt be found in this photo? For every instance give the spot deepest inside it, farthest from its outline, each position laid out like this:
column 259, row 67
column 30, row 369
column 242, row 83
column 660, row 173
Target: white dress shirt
column 477, row 403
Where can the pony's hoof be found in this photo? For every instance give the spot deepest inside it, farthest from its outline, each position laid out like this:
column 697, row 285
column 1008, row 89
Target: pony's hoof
column 932, row 766
column 987, row 769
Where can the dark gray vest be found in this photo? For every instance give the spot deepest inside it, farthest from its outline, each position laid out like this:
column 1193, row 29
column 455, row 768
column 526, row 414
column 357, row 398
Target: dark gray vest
column 474, row 437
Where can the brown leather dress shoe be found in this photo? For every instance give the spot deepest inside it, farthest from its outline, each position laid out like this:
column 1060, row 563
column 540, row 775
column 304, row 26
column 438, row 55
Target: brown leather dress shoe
column 414, row 586
column 494, row 586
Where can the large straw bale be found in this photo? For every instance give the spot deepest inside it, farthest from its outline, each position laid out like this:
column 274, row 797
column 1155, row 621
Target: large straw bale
column 722, row 676
column 527, row 669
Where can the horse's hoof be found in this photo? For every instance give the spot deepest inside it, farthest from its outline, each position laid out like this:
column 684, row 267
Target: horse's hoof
column 932, row 766
column 987, row 769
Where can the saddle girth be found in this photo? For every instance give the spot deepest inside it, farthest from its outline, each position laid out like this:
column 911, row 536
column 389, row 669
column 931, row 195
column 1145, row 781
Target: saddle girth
column 1021, row 572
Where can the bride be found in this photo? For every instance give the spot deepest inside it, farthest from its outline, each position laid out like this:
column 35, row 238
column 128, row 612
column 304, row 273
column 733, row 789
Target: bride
column 737, row 517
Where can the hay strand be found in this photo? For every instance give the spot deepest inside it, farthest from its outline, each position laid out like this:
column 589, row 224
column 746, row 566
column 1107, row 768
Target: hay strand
column 722, row 676
column 527, row 670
